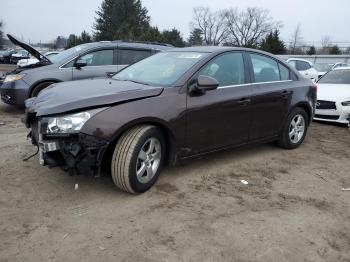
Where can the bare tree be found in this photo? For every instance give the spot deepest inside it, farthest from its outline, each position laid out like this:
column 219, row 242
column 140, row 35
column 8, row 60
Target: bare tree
column 248, row 27
column 326, row 43
column 296, row 39
column 211, row 24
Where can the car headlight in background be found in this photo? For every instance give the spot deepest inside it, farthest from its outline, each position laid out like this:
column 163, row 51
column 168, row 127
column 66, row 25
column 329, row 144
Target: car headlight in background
column 70, row 124
column 346, row 103
column 12, row 78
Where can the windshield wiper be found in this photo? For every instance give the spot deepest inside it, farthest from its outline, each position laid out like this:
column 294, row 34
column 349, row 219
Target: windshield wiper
column 134, row 81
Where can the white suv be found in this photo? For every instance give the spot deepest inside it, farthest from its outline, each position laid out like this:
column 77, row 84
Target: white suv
column 304, row 67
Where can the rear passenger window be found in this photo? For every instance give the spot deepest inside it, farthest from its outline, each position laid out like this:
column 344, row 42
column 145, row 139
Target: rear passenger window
column 265, row 69
column 98, row 58
column 128, row 57
column 284, row 72
column 227, row 69
column 302, row 66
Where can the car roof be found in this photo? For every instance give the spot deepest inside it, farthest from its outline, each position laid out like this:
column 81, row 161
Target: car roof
column 342, row 68
column 125, row 44
column 299, row 59
column 218, row 49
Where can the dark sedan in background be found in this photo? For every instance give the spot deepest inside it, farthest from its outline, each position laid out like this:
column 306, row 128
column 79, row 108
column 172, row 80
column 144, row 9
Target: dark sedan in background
column 100, row 59
column 175, row 105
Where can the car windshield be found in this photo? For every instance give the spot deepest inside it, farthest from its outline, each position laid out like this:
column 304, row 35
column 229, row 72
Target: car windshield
column 323, row 67
column 66, row 54
column 336, row 77
column 162, row 69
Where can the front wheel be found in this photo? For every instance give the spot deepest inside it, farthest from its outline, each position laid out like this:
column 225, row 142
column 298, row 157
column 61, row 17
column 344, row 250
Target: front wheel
column 138, row 158
column 295, row 129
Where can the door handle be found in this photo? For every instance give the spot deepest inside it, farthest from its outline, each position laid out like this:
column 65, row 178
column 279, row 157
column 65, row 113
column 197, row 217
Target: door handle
column 110, row 74
column 244, row 101
column 286, row 94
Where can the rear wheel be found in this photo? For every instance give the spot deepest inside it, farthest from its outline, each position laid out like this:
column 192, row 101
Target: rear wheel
column 40, row 87
column 295, row 129
column 138, row 158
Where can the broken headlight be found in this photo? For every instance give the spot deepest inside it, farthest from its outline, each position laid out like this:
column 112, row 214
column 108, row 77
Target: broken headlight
column 70, row 123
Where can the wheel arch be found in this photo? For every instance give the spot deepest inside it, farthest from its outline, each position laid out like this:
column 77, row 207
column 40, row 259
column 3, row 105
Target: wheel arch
column 170, row 139
column 33, row 86
column 307, row 109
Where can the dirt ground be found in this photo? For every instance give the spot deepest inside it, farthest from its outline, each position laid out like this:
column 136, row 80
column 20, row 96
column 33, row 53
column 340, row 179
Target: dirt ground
column 293, row 209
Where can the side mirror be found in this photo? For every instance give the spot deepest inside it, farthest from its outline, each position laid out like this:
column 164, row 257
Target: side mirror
column 206, row 83
column 80, row 63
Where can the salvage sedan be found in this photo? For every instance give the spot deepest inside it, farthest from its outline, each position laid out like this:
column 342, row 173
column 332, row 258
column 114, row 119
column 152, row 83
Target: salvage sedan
column 173, row 106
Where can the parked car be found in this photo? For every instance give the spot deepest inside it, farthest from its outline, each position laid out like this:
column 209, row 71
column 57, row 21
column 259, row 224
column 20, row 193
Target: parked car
column 175, row 105
column 100, row 59
column 304, row 67
column 323, row 68
column 333, row 100
column 2, row 56
column 33, row 60
column 5, row 58
column 19, row 55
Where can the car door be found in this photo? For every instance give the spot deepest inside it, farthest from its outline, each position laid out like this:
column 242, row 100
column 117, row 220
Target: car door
column 221, row 117
column 99, row 63
column 128, row 56
column 271, row 97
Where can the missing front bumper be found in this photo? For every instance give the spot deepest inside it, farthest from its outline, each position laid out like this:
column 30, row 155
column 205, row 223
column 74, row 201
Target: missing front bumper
column 79, row 154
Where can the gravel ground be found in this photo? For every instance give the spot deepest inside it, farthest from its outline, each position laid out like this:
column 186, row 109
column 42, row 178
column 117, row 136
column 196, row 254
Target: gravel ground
column 293, row 209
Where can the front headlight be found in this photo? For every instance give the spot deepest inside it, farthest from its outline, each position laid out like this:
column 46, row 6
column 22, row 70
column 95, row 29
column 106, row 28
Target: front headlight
column 346, row 103
column 12, row 78
column 70, row 124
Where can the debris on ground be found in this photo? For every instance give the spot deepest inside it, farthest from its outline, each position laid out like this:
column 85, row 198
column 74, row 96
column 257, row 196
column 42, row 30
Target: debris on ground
column 244, row 182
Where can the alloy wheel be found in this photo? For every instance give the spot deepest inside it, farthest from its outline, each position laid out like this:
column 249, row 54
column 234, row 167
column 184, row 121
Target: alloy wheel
column 148, row 160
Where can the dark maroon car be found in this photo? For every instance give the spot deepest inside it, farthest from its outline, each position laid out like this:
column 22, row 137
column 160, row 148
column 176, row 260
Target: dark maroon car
column 175, row 105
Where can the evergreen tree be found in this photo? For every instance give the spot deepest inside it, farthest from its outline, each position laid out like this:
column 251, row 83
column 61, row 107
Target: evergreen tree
column 85, row 38
column 196, row 38
column 1, row 35
column 173, row 37
column 273, row 44
column 334, row 50
column 152, row 34
column 72, row 41
column 121, row 19
column 311, row 51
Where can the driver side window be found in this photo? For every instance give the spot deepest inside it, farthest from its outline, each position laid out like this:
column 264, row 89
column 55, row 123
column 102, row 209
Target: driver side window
column 98, row 58
column 227, row 69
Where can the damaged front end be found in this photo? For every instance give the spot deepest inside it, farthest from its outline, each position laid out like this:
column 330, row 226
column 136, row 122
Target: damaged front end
column 74, row 152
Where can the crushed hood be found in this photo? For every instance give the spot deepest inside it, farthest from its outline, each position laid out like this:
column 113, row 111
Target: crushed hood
column 77, row 95
column 30, row 49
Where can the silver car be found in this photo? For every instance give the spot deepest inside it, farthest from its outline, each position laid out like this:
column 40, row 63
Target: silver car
column 99, row 59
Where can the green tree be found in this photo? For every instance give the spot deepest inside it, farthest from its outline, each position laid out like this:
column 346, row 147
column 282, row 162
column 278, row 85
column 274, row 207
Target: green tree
column 72, row 41
column 273, row 44
column 152, row 34
column 311, row 51
column 334, row 50
column 196, row 38
column 173, row 37
column 121, row 19
column 85, row 38
column 1, row 35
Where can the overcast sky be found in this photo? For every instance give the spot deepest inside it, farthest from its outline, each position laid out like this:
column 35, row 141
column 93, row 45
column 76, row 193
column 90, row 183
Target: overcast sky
column 35, row 20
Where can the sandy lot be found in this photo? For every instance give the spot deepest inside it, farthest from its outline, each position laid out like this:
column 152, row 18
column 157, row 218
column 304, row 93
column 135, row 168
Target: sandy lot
column 292, row 210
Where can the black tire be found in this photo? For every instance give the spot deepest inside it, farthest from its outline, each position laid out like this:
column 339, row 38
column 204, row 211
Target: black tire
column 126, row 158
column 36, row 90
column 285, row 141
